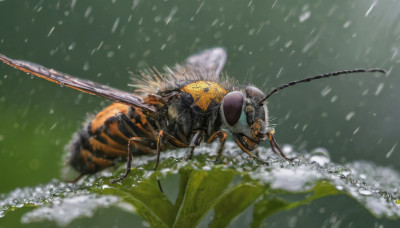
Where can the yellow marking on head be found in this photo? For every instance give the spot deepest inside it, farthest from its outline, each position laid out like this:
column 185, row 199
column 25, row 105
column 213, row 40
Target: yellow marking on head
column 203, row 92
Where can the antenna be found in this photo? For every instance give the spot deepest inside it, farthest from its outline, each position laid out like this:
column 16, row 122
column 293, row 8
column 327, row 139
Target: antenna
column 332, row 74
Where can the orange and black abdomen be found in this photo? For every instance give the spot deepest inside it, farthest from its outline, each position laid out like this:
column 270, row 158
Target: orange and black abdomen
column 103, row 141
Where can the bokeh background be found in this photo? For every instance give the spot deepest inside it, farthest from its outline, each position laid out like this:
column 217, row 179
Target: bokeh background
column 268, row 43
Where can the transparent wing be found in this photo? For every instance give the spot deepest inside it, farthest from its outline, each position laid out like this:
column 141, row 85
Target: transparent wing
column 212, row 60
column 77, row 83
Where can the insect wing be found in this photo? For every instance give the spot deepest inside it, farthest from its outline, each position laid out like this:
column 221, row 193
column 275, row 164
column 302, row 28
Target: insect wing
column 77, row 83
column 212, row 60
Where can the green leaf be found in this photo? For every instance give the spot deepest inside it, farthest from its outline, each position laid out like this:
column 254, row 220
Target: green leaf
column 265, row 207
column 148, row 200
column 272, row 203
column 201, row 193
column 184, row 179
column 228, row 189
column 234, row 202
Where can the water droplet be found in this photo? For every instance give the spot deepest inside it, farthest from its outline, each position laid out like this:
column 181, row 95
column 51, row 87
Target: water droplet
column 350, row 115
column 395, row 53
column 287, row 44
column 88, row 11
column 51, row 31
column 391, row 151
column 364, row 191
column 346, row 24
column 334, row 98
column 325, row 91
column 168, row 19
column 115, row 25
column 304, row 16
column 320, row 156
column 86, row 66
column 73, row 3
column 345, row 171
column 110, row 54
column 370, row 8
column 379, row 88
column 105, row 186
column 339, row 187
column 71, row 46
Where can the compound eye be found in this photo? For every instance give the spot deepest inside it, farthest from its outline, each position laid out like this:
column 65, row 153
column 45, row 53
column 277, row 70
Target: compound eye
column 232, row 106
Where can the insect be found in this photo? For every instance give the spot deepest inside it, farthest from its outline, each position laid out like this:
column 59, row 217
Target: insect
column 178, row 108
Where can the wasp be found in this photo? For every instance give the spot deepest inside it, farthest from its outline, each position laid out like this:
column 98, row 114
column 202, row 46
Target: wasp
column 179, row 107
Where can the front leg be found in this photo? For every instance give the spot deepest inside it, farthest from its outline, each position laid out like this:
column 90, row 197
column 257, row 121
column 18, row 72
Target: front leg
column 243, row 144
column 221, row 135
column 275, row 148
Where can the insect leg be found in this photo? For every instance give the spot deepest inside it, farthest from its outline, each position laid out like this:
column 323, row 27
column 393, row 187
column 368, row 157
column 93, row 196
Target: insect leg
column 249, row 152
column 171, row 139
column 135, row 142
column 221, row 135
column 196, row 140
column 274, row 146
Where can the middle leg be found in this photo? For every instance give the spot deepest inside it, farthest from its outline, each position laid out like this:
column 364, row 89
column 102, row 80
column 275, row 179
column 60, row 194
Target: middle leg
column 139, row 143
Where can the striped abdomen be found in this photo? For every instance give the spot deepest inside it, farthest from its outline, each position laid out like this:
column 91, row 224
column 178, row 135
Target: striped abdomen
column 103, row 141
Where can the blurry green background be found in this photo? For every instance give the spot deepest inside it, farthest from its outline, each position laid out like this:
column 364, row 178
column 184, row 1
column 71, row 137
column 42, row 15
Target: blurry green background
column 268, row 43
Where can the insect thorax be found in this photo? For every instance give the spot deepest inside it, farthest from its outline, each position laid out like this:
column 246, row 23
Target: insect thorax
column 203, row 94
column 196, row 108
